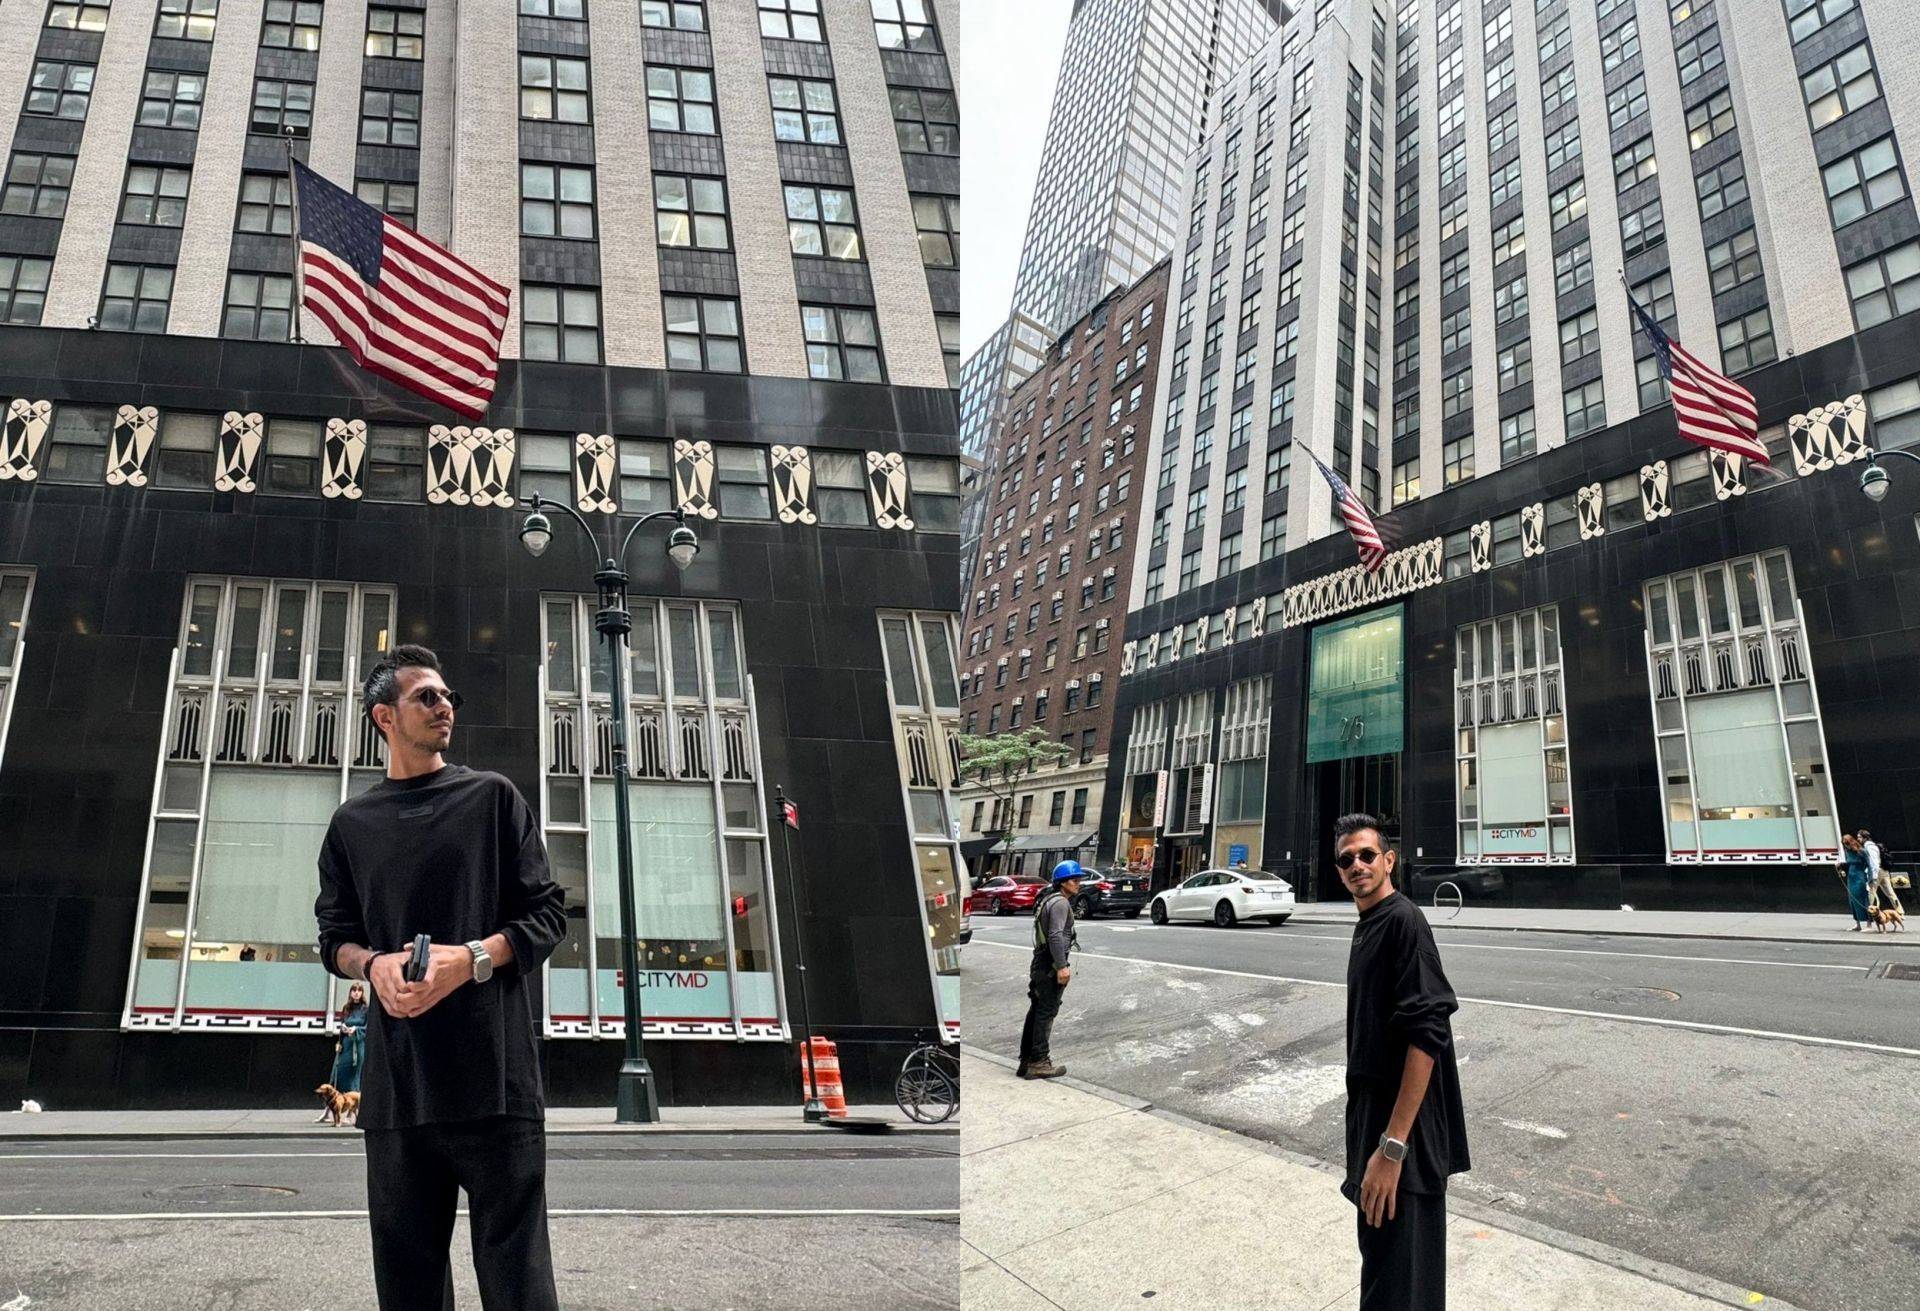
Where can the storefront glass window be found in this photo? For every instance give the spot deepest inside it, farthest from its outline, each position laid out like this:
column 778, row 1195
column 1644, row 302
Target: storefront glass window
column 1514, row 789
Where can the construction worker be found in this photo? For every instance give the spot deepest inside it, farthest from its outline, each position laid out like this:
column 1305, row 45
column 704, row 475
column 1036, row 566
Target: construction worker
column 1053, row 938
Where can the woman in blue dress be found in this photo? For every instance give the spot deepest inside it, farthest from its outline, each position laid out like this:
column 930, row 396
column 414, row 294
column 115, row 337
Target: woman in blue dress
column 1857, row 876
column 351, row 1050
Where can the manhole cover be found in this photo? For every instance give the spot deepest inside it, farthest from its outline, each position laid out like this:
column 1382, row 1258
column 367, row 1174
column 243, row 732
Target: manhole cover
column 1895, row 970
column 218, row 1192
column 1634, row 994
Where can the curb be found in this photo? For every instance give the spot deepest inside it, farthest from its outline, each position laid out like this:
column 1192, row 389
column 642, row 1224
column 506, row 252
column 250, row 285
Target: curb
column 337, row 1135
column 1687, row 1281
column 1884, row 939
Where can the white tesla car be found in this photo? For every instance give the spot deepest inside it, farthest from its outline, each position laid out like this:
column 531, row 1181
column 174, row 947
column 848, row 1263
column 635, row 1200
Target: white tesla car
column 1226, row 896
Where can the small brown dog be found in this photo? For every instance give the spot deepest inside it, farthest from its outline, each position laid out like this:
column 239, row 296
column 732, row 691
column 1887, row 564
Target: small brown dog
column 339, row 1104
column 1888, row 919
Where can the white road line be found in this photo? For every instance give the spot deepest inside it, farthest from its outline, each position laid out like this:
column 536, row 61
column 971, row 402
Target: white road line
column 173, row 1156
column 746, row 1213
column 1698, row 1025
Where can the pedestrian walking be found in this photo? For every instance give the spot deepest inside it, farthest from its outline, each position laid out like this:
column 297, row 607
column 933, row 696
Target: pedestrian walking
column 1406, row 1130
column 451, row 1097
column 1880, row 893
column 351, row 1050
column 1054, row 939
column 1855, row 871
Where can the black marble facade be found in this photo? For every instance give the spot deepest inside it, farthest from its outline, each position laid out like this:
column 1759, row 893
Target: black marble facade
column 1856, row 565
column 77, row 777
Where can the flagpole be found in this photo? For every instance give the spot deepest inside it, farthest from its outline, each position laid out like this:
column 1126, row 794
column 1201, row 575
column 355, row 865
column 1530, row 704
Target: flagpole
column 293, row 195
column 813, row 1110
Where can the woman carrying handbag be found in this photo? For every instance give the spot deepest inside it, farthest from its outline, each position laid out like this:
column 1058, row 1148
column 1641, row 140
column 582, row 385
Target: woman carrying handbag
column 351, row 1050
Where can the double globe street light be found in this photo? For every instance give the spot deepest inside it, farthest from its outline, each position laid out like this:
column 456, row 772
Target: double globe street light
column 637, row 1101
column 1877, row 482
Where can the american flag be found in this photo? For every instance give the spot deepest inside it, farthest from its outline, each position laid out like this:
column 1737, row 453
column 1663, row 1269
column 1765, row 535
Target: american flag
column 1711, row 408
column 403, row 307
column 1373, row 552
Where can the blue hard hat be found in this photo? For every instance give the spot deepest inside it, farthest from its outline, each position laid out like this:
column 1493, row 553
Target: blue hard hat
column 1067, row 869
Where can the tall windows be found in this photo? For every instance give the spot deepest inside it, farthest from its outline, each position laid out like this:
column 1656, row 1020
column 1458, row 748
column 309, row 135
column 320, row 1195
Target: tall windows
column 904, row 25
column 842, row 342
column 259, row 307
column 16, row 592
column 927, row 122
column 560, row 323
column 187, row 20
column 174, row 99
column 37, row 184
column 681, row 100
column 1511, row 774
column 691, row 211
column 804, row 109
column 1240, row 810
column 556, row 200
column 696, row 809
column 291, row 25
column 796, row 20
column 1742, row 754
column 263, row 739
column 23, row 288
column 556, row 89
column 60, row 90
column 822, row 221
column 396, row 33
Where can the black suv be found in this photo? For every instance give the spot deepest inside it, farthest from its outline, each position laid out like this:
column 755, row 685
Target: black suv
column 1113, row 892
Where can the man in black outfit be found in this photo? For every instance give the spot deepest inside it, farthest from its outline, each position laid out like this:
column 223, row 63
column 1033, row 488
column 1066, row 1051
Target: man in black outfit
column 1406, row 1130
column 450, row 1094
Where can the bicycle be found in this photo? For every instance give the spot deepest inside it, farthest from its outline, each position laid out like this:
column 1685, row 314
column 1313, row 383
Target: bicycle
column 928, row 1089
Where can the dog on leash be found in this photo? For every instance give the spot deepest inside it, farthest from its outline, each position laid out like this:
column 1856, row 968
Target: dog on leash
column 339, row 1104
column 1888, row 919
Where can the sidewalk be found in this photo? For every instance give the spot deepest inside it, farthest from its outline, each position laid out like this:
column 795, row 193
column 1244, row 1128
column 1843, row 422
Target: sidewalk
column 1083, row 1200
column 1731, row 925
column 298, row 1123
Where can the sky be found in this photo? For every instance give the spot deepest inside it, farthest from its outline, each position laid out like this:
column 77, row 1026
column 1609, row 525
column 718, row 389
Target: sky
column 1010, row 55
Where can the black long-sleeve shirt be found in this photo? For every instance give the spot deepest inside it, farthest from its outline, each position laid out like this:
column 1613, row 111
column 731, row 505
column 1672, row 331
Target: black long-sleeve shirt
column 455, row 854
column 1398, row 996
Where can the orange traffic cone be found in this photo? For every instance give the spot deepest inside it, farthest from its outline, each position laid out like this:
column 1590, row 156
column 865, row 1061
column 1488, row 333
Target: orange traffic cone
column 820, row 1075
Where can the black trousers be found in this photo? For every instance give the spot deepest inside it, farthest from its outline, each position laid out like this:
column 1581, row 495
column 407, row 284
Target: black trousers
column 414, row 1178
column 1403, row 1263
column 1043, row 1003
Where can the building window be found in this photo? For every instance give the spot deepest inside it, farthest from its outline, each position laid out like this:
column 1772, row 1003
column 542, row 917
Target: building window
column 1884, row 286
column 1586, row 408
column 60, row 90
column 680, row 100
column 687, row 15
column 1737, row 717
column 1579, row 337
column 797, row 20
column 904, row 25
column 1569, row 203
column 399, row 201
column 135, row 298
column 804, row 110
column 37, row 185
column 840, row 490
column 1634, row 163
column 1573, row 268
column 556, row 200
column 1734, row 261
column 1456, row 460
column 1723, row 187
column 822, row 221
column 1516, row 364
column 1456, row 393
column 155, row 197
column 558, row 89
column 396, row 463
column 1514, row 790
column 396, row 33
column 927, row 122
column 1563, row 144
column 1700, row 56
column 842, row 342
column 560, row 323
column 1644, row 228
column 266, row 204
column 1406, row 481
column 554, row 8
column 186, row 20
column 389, row 118
column 78, row 15
column 741, row 480
column 23, row 288
column 691, row 211
column 1711, row 119
column 1747, row 342
column 948, row 326
column 277, row 105
column 1865, row 181
column 175, row 99
column 1557, row 90
column 938, row 221
column 184, row 455
column 290, row 460
column 934, row 488
column 291, row 25
column 1516, row 437
column 1510, row 239
column 646, row 481
column 76, row 450
column 1805, row 17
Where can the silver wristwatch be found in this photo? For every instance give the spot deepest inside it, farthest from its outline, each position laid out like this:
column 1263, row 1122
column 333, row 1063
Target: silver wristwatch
column 482, row 963
column 1393, row 1149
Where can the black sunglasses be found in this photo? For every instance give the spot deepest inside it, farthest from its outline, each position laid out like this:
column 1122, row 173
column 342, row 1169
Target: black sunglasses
column 431, row 696
column 1366, row 856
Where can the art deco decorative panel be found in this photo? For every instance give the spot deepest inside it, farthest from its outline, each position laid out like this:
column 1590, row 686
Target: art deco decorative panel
column 693, row 478
column 1353, row 588
column 1835, row 433
column 887, row 483
column 130, row 445
column 26, row 429
column 1593, row 512
column 343, row 453
column 793, row 485
column 470, row 466
column 1532, row 522
column 1729, row 474
column 1654, row 502
column 594, row 460
column 1480, row 540
column 240, row 436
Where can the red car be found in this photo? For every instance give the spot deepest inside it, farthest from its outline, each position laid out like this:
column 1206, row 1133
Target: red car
column 1008, row 895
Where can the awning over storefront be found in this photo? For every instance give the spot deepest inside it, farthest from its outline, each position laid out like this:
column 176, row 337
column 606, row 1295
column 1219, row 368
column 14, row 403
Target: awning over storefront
column 1052, row 841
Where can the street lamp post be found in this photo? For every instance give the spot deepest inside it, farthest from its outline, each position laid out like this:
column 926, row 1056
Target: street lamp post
column 1877, row 482
column 637, row 1101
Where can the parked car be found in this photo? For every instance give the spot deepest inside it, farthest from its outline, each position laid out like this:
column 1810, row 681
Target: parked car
column 1111, row 892
column 966, row 909
column 1006, row 894
column 1226, row 896
column 1476, row 883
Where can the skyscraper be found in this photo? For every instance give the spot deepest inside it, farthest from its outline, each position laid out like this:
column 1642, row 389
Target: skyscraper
column 1139, row 82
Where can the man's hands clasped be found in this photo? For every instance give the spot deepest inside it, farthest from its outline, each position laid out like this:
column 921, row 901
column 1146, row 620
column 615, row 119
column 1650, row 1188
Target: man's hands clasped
column 447, row 968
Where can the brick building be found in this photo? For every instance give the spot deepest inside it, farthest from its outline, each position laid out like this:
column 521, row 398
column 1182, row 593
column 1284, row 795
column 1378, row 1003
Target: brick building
column 1047, row 596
